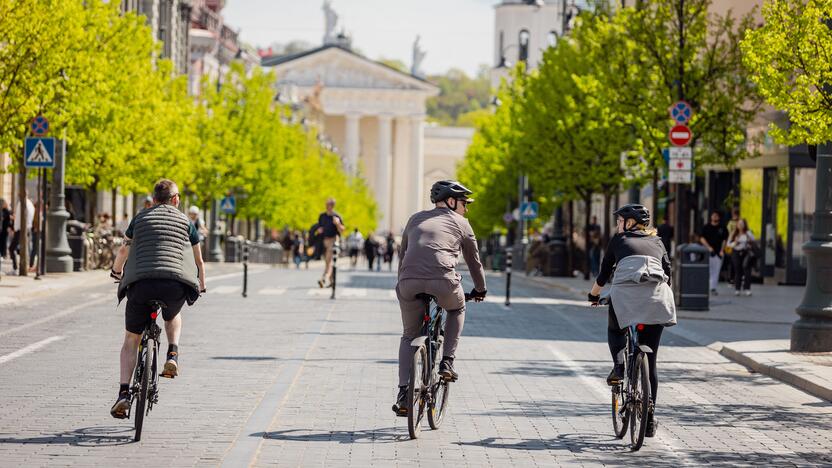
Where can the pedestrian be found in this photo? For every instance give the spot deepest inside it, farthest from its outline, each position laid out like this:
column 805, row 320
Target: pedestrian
column 665, row 233
column 148, row 202
column 742, row 256
column 5, row 227
column 198, row 222
column 732, row 225
column 330, row 227
column 297, row 249
column 713, row 236
column 355, row 242
column 389, row 250
column 14, row 248
column 370, row 250
column 122, row 225
column 593, row 235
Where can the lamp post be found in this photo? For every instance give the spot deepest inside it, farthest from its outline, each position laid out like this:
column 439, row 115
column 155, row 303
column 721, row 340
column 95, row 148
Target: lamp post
column 58, row 253
column 812, row 332
column 214, row 250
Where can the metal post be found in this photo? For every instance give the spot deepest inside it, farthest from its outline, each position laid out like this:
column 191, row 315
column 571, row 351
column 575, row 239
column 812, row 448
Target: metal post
column 58, row 253
column 44, row 196
column 245, row 268
column 812, row 332
column 508, row 278
column 214, row 250
column 334, row 266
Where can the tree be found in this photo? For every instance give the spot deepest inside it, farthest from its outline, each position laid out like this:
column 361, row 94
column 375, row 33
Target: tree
column 459, row 94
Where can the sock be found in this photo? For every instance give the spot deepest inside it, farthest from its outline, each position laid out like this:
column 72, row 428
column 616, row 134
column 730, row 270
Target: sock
column 173, row 349
column 123, row 388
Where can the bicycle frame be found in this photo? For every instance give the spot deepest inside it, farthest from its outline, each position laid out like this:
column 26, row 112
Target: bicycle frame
column 432, row 324
column 152, row 331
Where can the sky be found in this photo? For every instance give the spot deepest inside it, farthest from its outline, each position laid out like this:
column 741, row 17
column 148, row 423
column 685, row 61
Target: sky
column 455, row 33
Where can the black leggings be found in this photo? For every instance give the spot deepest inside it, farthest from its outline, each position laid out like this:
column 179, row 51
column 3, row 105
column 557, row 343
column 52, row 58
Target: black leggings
column 650, row 336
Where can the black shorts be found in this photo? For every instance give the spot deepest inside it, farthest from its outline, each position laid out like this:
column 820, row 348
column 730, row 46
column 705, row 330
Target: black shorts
column 139, row 294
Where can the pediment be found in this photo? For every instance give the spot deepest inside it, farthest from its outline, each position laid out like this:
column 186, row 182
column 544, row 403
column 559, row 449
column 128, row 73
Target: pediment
column 334, row 67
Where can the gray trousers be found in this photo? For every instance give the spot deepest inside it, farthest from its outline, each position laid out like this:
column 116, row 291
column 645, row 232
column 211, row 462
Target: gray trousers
column 449, row 295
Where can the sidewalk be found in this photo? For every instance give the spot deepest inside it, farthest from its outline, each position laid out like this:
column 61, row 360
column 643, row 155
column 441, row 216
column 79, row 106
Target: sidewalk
column 752, row 331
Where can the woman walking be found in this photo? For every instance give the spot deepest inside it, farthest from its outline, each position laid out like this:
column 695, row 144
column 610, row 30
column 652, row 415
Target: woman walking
column 741, row 243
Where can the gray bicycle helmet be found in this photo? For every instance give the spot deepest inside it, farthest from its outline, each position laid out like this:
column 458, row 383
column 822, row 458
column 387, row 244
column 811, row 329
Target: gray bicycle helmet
column 445, row 189
column 634, row 211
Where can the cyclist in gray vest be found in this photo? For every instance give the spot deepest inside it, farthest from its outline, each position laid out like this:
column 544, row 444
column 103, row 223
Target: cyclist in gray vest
column 159, row 261
column 430, row 248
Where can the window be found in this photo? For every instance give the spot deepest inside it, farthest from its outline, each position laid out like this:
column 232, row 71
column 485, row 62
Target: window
column 523, row 45
column 552, row 39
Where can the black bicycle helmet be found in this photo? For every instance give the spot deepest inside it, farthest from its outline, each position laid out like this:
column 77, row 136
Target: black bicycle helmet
column 445, row 189
column 634, row 211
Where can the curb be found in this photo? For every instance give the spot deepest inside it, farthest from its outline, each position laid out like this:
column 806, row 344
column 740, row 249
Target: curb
column 777, row 373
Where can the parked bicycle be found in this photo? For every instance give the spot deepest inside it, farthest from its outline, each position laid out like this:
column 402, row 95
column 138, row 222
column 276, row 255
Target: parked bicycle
column 631, row 398
column 426, row 388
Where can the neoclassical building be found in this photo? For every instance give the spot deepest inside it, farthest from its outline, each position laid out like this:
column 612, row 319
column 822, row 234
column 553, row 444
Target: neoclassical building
column 374, row 115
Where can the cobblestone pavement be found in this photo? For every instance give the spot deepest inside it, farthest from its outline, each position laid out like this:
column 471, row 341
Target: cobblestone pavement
column 288, row 377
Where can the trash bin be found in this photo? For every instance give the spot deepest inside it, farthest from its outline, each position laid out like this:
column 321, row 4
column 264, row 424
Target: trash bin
column 558, row 263
column 233, row 249
column 690, row 277
column 77, row 244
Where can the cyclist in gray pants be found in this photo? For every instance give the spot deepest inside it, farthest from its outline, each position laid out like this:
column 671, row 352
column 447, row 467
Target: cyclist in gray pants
column 430, row 248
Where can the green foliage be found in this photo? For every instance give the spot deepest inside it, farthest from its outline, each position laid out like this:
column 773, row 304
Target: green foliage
column 788, row 59
column 459, row 94
column 129, row 120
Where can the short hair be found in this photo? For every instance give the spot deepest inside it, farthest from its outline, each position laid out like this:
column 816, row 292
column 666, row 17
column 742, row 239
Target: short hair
column 330, row 200
column 163, row 190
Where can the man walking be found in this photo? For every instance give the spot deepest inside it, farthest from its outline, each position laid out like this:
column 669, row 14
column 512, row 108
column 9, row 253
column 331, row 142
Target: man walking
column 714, row 235
column 330, row 226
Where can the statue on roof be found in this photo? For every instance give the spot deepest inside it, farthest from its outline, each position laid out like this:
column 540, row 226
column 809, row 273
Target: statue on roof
column 331, row 22
column 418, row 58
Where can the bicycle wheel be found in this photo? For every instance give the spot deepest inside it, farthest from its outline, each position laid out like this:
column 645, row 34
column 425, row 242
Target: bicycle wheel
column 416, row 392
column 440, row 403
column 620, row 415
column 640, row 402
column 144, row 385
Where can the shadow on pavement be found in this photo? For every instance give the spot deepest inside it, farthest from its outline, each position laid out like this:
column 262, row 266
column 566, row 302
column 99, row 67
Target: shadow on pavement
column 382, row 435
column 245, row 358
column 102, row 436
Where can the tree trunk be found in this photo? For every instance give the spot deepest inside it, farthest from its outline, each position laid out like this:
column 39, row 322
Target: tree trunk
column 570, row 240
column 587, row 217
column 655, row 207
column 607, row 214
column 23, row 239
column 114, row 196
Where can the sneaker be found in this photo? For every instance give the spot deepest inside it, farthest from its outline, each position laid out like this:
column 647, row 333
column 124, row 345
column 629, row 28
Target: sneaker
column 616, row 375
column 446, row 370
column 321, row 283
column 714, row 292
column 171, row 368
column 747, row 292
column 121, row 408
column 652, row 425
column 736, row 292
column 400, row 408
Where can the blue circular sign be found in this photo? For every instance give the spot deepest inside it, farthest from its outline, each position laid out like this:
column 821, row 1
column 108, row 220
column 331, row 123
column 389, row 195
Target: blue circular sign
column 40, row 126
column 681, row 112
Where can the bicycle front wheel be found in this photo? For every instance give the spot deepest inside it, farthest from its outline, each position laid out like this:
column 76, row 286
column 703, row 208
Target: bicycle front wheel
column 620, row 415
column 640, row 402
column 436, row 411
column 417, row 392
column 144, row 385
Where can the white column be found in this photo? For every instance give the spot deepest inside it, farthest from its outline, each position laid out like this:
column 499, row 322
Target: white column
column 417, row 160
column 401, row 182
column 352, row 139
column 384, row 170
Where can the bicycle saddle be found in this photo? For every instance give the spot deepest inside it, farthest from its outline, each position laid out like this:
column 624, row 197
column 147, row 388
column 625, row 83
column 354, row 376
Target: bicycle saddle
column 425, row 297
column 156, row 304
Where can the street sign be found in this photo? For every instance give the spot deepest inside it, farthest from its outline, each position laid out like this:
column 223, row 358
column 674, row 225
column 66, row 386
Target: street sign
column 681, row 112
column 228, row 205
column 508, row 218
column 680, row 165
column 529, row 210
column 39, row 152
column 680, row 135
column 680, row 177
column 40, row 126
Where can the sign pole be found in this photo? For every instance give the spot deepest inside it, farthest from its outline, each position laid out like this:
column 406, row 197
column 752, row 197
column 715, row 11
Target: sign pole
column 43, row 220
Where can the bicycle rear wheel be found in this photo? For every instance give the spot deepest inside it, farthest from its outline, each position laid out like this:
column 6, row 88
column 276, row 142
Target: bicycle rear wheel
column 620, row 414
column 416, row 392
column 144, row 385
column 640, row 402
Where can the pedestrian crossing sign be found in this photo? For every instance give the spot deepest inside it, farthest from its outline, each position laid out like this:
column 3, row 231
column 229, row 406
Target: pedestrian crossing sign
column 39, row 152
column 228, row 205
column 529, row 210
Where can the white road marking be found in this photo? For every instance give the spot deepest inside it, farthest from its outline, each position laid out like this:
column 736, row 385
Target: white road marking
column 63, row 313
column 29, row 349
column 225, row 289
column 272, row 291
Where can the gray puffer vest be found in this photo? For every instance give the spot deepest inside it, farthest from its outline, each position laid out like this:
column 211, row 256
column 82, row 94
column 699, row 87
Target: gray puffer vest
column 161, row 249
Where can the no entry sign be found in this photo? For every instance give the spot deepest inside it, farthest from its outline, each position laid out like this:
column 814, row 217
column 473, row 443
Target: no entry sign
column 680, row 135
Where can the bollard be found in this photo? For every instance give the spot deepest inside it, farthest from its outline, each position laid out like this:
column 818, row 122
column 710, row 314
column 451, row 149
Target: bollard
column 334, row 268
column 508, row 278
column 245, row 269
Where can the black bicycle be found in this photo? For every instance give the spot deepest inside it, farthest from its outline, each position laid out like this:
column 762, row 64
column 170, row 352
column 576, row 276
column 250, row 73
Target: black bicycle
column 145, row 388
column 631, row 398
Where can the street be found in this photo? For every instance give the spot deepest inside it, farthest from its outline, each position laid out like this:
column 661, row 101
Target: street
column 288, row 377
